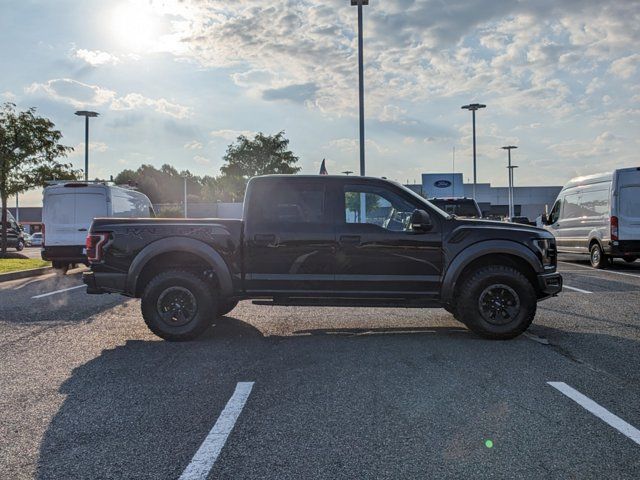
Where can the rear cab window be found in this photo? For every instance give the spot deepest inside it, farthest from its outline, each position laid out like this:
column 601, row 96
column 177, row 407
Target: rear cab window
column 288, row 203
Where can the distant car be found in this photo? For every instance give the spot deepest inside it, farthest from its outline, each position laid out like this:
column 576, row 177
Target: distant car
column 36, row 239
column 27, row 239
column 522, row 220
column 458, row 206
column 15, row 235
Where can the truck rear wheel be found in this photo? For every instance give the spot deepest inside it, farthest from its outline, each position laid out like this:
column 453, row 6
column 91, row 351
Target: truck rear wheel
column 177, row 305
column 497, row 302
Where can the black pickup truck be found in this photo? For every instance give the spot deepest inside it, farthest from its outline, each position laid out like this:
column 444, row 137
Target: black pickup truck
column 325, row 240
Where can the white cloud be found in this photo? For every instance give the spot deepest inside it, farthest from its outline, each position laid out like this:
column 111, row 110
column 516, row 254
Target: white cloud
column 101, row 147
column 8, row 96
column 81, row 95
column 73, row 92
column 200, row 160
column 230, row 135
column 193, row 145
column 96, row 57
column 625, row 67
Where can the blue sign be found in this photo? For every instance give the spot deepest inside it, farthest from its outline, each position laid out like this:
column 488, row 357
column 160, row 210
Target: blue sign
column 442, row 184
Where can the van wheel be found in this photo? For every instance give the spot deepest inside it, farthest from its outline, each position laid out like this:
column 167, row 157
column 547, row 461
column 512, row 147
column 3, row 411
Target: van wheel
column 629, row 259
column 60, row 267
column 20, row 246
column 177, row 306
column 597, row 257
column 226, row 307
column 497, row 302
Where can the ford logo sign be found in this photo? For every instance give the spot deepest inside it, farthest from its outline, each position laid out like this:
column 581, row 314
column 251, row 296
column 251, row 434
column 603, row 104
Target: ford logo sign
column 442, row 184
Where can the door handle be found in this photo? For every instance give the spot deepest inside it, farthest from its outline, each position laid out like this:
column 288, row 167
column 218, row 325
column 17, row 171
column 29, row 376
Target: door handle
column 350, row 239
column 82, row 229
column 264, row 239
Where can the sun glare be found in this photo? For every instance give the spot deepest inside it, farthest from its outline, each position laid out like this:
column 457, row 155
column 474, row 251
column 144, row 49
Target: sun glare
column 134, row 25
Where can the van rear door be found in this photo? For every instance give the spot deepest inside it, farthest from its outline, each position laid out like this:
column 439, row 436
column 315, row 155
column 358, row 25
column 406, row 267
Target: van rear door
column 628, row 186
column 89, row 204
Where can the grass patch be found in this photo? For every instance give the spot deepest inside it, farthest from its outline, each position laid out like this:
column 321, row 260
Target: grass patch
column 15, row 264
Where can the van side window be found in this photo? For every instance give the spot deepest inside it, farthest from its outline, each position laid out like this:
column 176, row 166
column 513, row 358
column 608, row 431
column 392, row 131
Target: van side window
column 571, row 206
column 595, row 203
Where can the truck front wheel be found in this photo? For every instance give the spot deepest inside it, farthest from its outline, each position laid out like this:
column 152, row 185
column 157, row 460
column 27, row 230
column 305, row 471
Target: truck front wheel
column 497, row 302
column 177, row 305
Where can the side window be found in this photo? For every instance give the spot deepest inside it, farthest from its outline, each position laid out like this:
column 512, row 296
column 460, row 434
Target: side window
column 571, row 206
column 554, row 215
column 595, row 203
column 377, row 206
column 291, row 203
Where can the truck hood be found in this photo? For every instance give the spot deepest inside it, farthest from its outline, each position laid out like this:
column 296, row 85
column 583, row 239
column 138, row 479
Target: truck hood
column 500, row 226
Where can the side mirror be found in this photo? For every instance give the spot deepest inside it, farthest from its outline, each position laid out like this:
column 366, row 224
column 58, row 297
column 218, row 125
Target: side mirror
column 544, row 219
column 420, row 221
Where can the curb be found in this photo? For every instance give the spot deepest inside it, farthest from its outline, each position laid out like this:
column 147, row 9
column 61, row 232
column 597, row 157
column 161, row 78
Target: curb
column 33, row 272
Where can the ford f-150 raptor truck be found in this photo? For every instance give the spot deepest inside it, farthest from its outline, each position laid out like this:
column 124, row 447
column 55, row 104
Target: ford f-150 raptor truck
column 325, row 240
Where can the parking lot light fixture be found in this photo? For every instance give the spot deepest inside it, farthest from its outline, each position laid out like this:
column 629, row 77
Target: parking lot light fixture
column 473, row 107
column 86, row 114
column 510, row 167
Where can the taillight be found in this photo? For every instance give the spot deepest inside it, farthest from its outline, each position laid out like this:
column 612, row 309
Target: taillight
column 94, row 244
column 614, row 228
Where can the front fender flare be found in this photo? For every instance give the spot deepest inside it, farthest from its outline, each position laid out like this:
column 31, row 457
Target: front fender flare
column 477, row 250
column 180, row 244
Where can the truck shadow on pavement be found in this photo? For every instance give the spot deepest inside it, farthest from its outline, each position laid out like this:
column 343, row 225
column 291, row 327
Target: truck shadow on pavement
column 142, row 409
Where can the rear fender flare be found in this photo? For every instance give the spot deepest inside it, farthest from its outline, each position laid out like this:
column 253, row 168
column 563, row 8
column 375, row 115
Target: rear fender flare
column 477, row 250
column 180, row 244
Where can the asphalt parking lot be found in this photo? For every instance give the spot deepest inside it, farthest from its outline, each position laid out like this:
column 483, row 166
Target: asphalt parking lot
column 291, row 392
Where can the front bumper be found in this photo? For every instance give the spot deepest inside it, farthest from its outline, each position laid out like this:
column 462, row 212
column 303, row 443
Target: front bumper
column 550, row 284
column 100, row 282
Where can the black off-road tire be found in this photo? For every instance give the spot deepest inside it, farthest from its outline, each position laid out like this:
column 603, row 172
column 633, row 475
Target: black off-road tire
column 178, row 305
column 503, row 289
column 597, row 257
column 226, row 307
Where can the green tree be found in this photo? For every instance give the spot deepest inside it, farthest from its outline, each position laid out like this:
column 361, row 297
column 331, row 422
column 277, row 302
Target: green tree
column 352, row 203
column 245, row 158
column 29, row 152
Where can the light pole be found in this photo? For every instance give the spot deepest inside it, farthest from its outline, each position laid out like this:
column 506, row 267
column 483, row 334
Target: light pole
column 508, row 148
column 360, row 4
column 473, row 107
column 86, row 114
column 185, row 197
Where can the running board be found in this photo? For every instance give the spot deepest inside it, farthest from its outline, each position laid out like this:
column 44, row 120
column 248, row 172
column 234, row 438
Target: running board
column 350, row 302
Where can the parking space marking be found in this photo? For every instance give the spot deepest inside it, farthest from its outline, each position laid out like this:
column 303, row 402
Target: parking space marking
column 58, row 291
column 207, row 454
column 576, row 289
column 601, row 271
column 599, row 411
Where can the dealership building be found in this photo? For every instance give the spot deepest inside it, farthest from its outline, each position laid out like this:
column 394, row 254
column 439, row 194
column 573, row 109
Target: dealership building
column 493, row 201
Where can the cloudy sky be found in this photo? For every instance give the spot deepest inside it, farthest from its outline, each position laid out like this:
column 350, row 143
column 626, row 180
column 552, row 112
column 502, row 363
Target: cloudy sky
column 175, row 81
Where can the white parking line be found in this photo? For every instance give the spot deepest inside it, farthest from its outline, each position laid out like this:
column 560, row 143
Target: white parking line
column 599, row 411
column 576, row 289
column 58, row 291
column 207, row 454
column 601, row 271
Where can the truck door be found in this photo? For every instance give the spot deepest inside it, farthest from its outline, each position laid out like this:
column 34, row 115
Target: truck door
column 378, row 251
column 289, row 236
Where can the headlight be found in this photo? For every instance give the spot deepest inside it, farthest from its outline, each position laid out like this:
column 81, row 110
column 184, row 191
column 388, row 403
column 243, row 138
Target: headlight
column 546, row 251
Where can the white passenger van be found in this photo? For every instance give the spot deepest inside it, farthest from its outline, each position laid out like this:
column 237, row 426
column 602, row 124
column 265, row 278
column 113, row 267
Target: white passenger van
column 599, row 216
column 69, row 208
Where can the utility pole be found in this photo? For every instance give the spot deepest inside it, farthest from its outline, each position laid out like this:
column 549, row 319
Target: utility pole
column 185, row 197
column 473, row 107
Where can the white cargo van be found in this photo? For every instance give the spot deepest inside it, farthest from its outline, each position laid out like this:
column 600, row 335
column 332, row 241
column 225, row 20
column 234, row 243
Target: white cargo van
column 599, row 216
column 70, row 207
